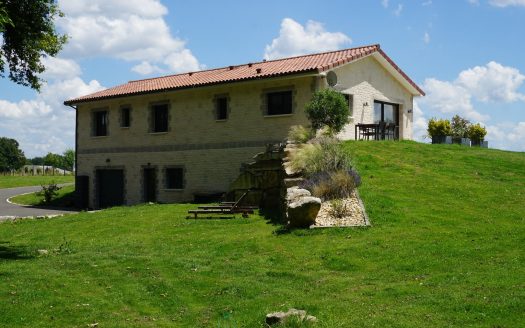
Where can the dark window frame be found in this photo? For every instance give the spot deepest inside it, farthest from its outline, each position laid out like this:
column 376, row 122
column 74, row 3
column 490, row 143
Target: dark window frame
column 125, row 116
column 272, row 99
column 159, row 122
column 176, row 185
column 396, row 110
column 350, row 103
column 222, row 103
column 100, row 123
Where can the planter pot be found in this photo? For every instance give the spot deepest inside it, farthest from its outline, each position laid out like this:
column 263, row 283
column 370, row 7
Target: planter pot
column 441, row 139
column 480, row 143
column 461, row 141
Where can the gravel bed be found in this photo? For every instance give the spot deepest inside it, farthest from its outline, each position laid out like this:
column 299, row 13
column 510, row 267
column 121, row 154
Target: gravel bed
column 356, row 214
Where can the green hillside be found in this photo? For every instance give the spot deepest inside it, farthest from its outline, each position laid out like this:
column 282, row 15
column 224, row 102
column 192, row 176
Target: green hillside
column 446, row 249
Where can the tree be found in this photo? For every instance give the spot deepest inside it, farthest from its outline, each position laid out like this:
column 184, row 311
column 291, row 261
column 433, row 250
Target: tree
column 53, row 160
column 460, row 126
column 11, row 157
column 68, row 158
column 328, row 108
column 29, row 33
column 37, row 161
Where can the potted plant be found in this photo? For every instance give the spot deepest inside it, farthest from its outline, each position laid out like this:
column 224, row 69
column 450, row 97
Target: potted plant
column 460, row 127
column 477, row 134
column 438, row 130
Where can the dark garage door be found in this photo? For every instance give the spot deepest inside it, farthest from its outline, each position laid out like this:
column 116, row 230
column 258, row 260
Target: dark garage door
column 110, row 185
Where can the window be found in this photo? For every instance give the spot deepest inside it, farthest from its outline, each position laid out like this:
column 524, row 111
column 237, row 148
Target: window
column 100, row 123
column 279, row 103
column 159, row 118
column 350, row 102
column 385, row 112
column 125, row 117
column 221, row 108
column 175, row 178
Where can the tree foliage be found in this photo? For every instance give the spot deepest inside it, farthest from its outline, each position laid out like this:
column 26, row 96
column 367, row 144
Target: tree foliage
column 328, row 108
column 29, row 33
column 476, row 132
column 460, row 126
column 11, row 157
column 438, row 128
column 68, row 159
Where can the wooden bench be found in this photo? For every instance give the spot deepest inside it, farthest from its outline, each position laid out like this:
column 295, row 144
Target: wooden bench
column 229, row 208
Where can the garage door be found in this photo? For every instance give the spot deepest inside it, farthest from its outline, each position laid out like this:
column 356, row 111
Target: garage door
column 110, row 185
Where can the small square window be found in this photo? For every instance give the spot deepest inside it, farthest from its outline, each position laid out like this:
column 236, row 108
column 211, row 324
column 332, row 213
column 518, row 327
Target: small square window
column 221, row 108
column 160, row 118
column 125, row 117
column 100, row 123
column 279, row 103
column 175, row 178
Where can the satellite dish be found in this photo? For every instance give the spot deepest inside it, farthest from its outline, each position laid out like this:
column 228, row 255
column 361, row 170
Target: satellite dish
column 331, row 78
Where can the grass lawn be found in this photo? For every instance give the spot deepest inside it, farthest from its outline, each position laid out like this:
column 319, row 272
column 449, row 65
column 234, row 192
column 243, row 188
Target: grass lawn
column 64, row 198
column 446, row 250
column 12, row 181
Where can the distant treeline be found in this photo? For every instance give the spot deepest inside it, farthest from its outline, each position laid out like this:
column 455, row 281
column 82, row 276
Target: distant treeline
column 12, row 158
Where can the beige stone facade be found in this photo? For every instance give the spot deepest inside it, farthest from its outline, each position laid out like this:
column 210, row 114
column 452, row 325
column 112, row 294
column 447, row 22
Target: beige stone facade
column 211, row 151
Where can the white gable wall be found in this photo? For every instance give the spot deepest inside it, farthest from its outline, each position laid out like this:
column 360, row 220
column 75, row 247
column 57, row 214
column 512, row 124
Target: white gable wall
column 367, row 80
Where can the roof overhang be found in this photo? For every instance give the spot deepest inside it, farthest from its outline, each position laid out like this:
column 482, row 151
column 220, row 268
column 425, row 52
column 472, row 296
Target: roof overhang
column 397, row 73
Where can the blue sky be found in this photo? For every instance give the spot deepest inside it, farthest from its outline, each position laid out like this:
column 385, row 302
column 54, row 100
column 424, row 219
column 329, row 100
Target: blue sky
column 468, row 55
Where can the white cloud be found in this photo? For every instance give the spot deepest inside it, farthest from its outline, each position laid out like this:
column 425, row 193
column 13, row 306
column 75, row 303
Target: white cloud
column 398, row 10
column 489, row 83
column 426, row 38
column 507, row 3
column 295, row 39
column 473, row 2
column 510, row 136
column 449, row 98
column 493, row 82
column 59, row 68
column 145, row 68
column 44, row 124
column 132, row 30
column 419, row 123
column 426, row 3
column 384, row 3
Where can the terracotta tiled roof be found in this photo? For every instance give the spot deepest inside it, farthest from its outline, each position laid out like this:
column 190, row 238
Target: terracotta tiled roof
column 259, row 70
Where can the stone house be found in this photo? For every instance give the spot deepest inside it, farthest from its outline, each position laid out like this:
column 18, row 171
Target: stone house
column 166, row 139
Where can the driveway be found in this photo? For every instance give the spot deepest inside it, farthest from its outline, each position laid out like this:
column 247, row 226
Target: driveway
column 8, row 210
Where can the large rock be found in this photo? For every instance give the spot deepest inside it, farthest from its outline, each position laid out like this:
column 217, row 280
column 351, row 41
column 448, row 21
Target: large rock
column 303, row 211
column 281, row 317
column 294, row 193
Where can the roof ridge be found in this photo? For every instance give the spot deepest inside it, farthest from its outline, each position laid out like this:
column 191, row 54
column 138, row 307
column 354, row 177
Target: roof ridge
column 253, row 63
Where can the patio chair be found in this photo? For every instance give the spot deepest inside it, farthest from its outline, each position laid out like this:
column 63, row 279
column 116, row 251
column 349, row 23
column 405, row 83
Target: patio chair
column 228, row 208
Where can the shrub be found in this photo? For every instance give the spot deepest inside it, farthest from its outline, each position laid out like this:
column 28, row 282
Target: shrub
column 323, row 155
column 327, row 108
column 299, row 134
column 338, row 209
column 439, row 128
column 476, row 132
column 49, row 192
column 459, row 126
column 333, row 185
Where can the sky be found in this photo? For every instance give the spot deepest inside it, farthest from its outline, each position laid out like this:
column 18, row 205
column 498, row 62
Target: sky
column 467, row 55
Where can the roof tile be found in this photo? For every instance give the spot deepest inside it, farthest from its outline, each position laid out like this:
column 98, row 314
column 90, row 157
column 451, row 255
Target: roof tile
column 271, row 68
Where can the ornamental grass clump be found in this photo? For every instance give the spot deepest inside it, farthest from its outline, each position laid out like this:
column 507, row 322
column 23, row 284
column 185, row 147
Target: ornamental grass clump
column 324, row 154
column 299, row 134
column 333, row 185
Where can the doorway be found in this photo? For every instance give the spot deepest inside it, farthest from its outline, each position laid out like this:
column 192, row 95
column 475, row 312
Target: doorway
column 150, row 185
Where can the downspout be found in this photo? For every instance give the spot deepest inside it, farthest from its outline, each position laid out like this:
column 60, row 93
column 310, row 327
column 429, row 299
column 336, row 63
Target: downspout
column 76, row 139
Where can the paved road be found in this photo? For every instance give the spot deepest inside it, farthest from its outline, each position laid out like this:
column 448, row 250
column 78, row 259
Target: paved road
column 8, row 210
